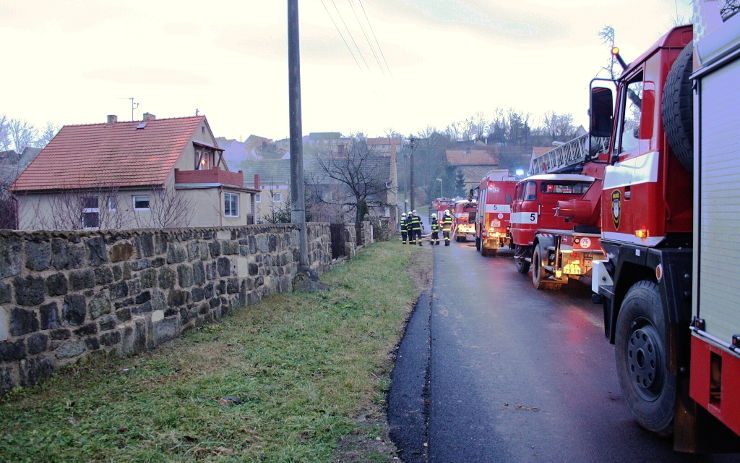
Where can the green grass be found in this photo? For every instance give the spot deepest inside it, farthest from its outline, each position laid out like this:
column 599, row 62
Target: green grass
column 303, row 366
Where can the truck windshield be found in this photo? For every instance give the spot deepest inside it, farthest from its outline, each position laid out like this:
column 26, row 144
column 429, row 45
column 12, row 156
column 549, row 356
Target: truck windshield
column 575, row 188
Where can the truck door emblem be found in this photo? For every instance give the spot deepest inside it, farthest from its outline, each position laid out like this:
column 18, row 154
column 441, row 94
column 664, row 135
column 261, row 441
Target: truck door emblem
column 616, row 207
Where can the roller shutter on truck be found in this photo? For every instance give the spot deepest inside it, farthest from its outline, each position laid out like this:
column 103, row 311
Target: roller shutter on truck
column 717, row 201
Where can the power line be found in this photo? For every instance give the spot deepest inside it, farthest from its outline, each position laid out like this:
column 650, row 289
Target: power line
column 341, row 35
column 359, row 52
column 367, row 39
column 380, row 49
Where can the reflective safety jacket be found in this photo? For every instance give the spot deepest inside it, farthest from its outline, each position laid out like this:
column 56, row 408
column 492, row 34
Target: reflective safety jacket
column 415, row 223
column 435, row 227
column 446, row 223
column 404, row 224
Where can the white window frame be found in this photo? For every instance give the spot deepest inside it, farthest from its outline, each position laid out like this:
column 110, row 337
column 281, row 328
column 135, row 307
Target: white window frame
column 277, row 196
column 111, row 203
column 133, row 202
column 226, row 196
column 258, row 197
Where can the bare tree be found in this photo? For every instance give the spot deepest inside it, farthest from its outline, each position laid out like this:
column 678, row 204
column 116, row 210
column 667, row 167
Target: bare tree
column 4, row 133
column 606, row 34
column 8, row 208
column 167, row 209
column 559, row 126
column 357, row 171
column 22, row 134
column 49, row 132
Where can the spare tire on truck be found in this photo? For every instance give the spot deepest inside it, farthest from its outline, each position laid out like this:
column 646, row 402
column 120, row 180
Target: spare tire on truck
column 677, row 109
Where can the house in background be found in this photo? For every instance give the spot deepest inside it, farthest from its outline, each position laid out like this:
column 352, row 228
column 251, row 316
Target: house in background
column 474, row 160
column 13, row 163
column 271, row 178
column 154, row 173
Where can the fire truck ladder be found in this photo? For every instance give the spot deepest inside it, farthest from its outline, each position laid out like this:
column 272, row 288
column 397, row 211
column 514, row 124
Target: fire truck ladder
column 568, row 156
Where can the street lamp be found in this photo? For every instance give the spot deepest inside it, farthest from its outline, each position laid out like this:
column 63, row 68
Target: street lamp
column 440, row 187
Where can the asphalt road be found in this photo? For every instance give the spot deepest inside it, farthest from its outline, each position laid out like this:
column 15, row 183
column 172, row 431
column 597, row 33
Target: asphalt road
column 514, row 374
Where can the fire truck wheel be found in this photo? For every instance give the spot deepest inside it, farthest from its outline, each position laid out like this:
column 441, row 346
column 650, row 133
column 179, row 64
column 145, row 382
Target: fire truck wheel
column 538, row 271
column 641, row 353
column 677, row 109
column 522, row 266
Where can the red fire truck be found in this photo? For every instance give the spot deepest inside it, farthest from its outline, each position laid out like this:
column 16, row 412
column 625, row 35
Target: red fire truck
column 673, row 314
column 554, row 246
column 439, row 206
column 495, row 195
column 464, row 214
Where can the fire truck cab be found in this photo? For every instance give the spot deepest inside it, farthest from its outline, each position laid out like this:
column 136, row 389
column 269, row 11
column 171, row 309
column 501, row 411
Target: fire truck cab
column 463, row 225
column 545, row 240
column 495, row 195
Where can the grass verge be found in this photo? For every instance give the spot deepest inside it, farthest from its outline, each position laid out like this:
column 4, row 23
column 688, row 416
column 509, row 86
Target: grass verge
column 302, row 366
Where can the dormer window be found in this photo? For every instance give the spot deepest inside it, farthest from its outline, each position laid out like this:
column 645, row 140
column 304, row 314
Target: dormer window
column 204, row 159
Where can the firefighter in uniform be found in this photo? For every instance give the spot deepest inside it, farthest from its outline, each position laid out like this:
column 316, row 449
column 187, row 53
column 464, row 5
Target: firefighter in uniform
column 434, row 240
column 415, row 223
column 447, row 226
column 404, row 229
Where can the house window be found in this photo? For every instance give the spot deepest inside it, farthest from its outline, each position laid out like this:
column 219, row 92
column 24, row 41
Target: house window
column 277, row 197
column 257, row 197
column 112, row 203
column 90, row 212
column 231, row 204
column 141, row 203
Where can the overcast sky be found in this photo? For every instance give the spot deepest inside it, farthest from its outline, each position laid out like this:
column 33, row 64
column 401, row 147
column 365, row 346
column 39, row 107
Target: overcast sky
column 74, row 62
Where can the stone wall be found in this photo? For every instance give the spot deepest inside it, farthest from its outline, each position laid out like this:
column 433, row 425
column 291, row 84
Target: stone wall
column 65, row 295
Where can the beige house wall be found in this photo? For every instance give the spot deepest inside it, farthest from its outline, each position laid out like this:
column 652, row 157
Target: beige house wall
column 186, row 161
column 267, row 205
column 208, row 207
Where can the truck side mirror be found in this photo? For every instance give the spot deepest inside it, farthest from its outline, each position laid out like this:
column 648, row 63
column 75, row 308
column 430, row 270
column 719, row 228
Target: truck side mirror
column 601, row 110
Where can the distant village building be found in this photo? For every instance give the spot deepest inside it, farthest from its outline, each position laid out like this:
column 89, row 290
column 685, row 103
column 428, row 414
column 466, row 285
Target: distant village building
column 474, row 160
column 150, row 173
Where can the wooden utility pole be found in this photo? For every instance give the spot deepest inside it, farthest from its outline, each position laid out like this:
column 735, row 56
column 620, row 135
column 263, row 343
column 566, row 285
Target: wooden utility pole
column 412, row 140
column 297, row 187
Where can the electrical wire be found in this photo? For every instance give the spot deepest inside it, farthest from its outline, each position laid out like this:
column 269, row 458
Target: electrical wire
column 349, row 32
column 341, row 35
column 372, row 31
column 367, row 39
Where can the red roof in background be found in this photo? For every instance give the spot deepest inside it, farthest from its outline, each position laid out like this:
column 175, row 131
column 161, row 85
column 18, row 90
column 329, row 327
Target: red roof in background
column 540, row 150
column 109, row 155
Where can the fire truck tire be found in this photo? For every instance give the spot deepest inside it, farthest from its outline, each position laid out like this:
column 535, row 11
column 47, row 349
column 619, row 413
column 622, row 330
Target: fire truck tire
column 538, row 271
column 677, row 110
column 641, row 354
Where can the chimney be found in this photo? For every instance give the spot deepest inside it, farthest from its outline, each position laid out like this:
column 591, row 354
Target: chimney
column 256, row 181
column 149, row 117
column 112, row 118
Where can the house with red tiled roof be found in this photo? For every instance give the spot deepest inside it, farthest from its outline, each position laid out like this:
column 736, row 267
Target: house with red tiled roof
column 474, row 160
column 153, row 173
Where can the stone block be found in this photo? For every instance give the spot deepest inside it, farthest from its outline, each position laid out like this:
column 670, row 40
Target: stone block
column 103, row 275
column 124, row 302
column 37, row 343
column 148, row 278
column 158, row 301
column 165, row 329
column 143, row 297
column 36, row 370
column 232, row 286
column 272, row 243
column 124, row 314
column 23, row 321
column 29, row 291
column 120, row 252
column 7, row 379
column 99, row 305
column 82, row 279
column 71, row 349
column 224, row 266
column 144, row 245
column 229, row 248
column 110, row 339
column 252, row 244
column 214, row 248
column 134, row 338
column 60, row 334
column 10, row 256
column 177, row 297
column 134, row 287
column 15, row 350
column 73, row 309
column 262, row 244
column 184, row 275
column 193, row 250
column 49, row 316
column 176, row 254
column 87, row 330
column 199, row 273
column 38, row 255
column 107, row 322
column 253, row 269
column 96, row 251
column 223, row 235
column 211, row 271
column 158, row 262
column 56, row 285
column 197, row 294
column 160, row 243
column 167, row 278
column 205, row 253
column 126, row 270
column 5, row 293
column 92, row 343
column 142, row 264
